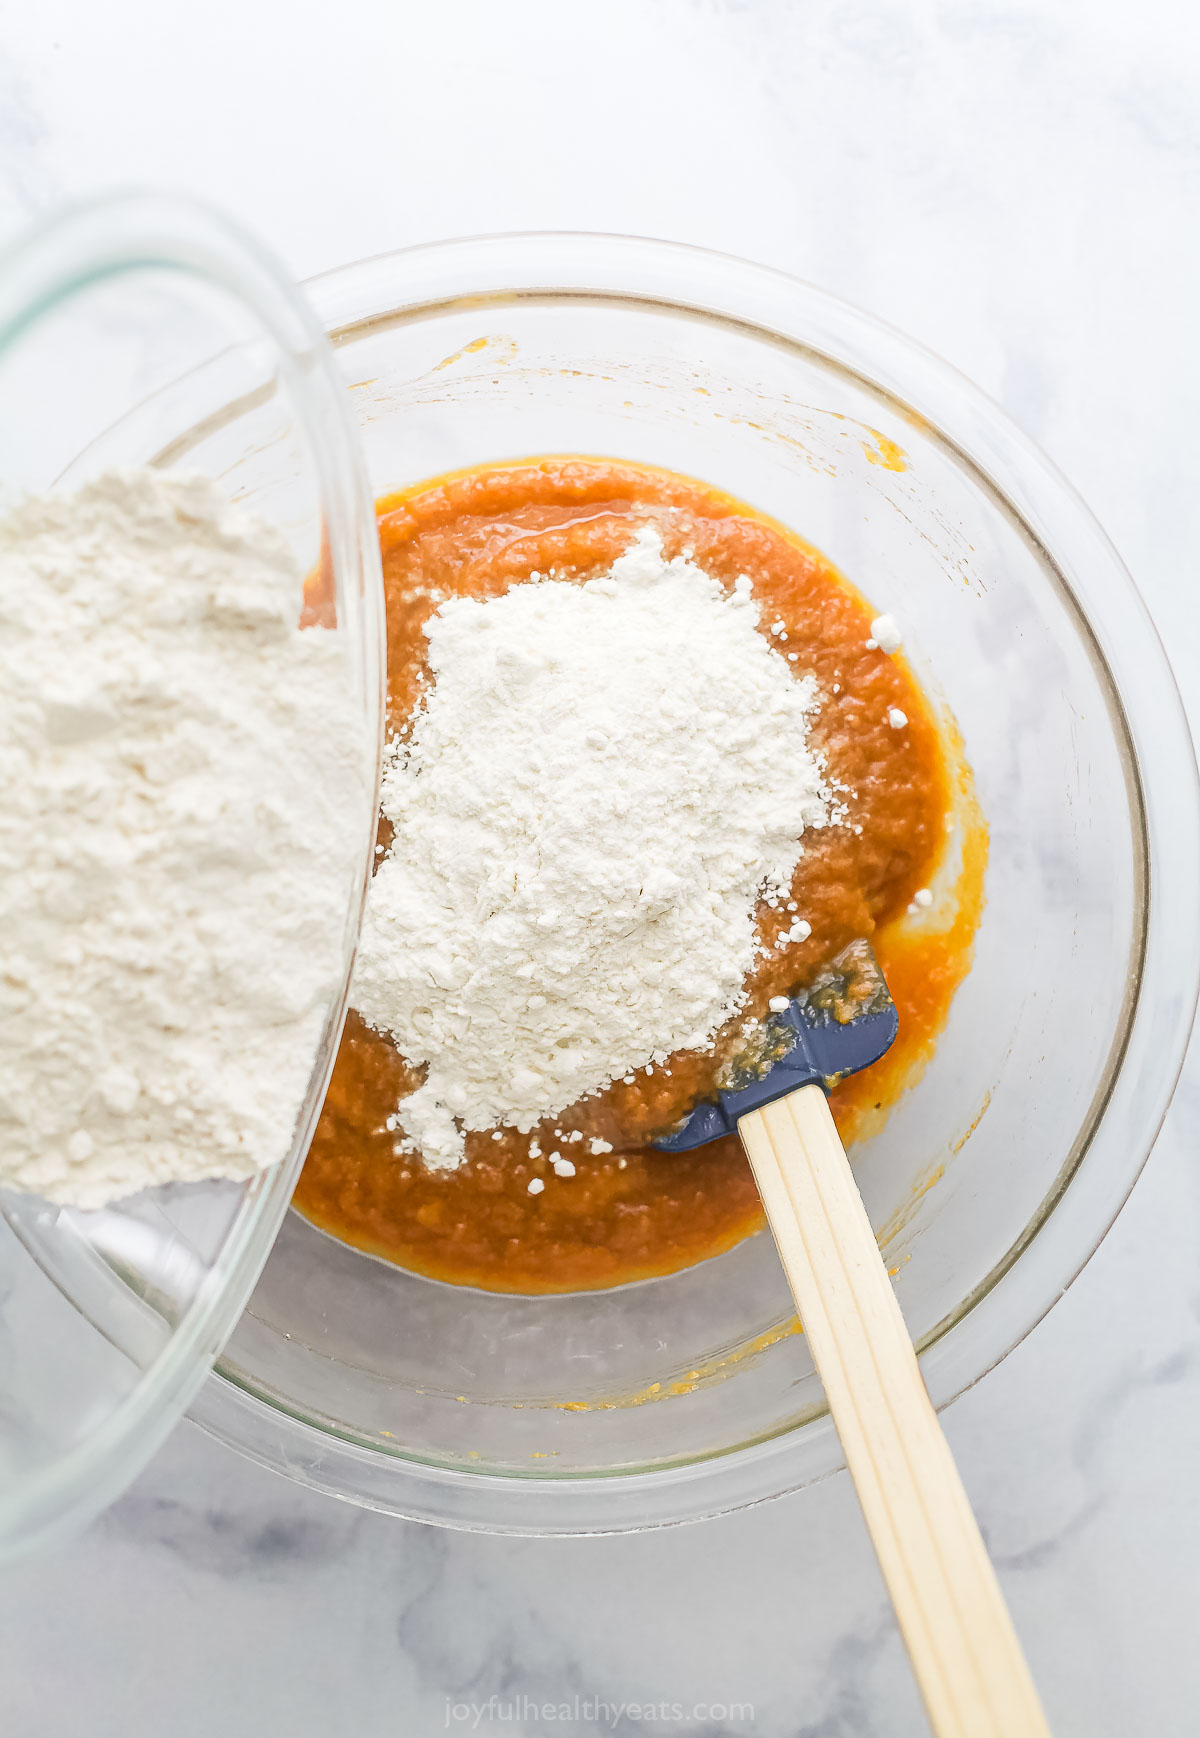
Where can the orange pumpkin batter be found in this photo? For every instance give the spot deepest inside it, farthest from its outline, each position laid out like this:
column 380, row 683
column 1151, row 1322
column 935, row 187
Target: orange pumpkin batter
column 636, row 1212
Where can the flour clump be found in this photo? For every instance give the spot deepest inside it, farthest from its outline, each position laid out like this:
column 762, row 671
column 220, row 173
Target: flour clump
column 184, row 800
column 603, row 780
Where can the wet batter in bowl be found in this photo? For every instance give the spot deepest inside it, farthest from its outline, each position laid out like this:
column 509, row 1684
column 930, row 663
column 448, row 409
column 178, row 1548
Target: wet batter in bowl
column 612, row 1209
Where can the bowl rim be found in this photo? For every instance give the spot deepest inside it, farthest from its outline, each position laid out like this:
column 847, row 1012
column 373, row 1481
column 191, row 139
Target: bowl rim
column 1111, row 617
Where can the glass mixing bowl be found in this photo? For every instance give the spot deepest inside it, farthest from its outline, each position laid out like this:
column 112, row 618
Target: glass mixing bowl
column 146, row 331
column 998, row 1173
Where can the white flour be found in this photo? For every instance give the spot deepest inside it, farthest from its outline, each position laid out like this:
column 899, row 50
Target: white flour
column 603, row 780
column 182, row 797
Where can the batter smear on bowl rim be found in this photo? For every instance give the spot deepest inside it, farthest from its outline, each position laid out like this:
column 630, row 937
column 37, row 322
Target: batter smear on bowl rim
column 652, row 763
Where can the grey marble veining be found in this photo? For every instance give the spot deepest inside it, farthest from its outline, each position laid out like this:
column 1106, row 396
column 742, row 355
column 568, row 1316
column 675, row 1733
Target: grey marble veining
column 1015, row 183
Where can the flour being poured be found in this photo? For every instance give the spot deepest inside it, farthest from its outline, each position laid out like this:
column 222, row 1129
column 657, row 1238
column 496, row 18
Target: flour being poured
column 183, row 802
column 603, row 781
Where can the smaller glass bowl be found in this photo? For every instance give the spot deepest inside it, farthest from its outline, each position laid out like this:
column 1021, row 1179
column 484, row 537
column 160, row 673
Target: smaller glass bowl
column 996, row 1176
column 145, row 331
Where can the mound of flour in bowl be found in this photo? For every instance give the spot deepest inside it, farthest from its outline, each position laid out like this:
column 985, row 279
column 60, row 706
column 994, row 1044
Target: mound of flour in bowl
column 603, row 780
column 184, row 798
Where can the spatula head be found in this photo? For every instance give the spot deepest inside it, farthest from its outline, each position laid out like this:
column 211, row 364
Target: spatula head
column 842, row 1022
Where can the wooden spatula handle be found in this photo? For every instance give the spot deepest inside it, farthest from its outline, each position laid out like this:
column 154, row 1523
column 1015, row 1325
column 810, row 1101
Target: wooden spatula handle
column 964, row 1651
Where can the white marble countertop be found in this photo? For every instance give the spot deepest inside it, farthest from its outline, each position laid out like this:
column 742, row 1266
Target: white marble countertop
column 1014, row 182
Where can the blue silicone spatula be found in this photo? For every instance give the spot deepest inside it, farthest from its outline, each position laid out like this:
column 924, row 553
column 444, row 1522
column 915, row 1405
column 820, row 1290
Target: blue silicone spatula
column 964, row 1650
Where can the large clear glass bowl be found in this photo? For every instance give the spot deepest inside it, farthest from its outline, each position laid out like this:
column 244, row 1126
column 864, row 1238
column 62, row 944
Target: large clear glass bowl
column 999, row 1172
column 147, row 331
